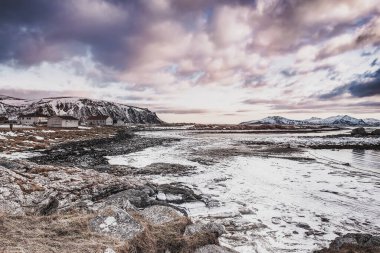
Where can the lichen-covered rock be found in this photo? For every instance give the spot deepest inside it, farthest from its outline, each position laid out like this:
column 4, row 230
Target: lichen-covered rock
column 28, row 188
column 212, row 248
column 160, row 214
column 117, row 223
column 210, row 227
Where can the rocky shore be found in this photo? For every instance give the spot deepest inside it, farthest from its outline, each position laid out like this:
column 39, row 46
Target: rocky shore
column 92, row 153
column 46, row 208
column 70, row 199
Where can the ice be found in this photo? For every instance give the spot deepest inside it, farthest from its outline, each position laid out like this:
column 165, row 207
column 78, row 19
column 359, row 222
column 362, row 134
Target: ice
column 296, row 206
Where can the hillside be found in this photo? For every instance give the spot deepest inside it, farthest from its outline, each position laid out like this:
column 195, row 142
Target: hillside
column 78, row 107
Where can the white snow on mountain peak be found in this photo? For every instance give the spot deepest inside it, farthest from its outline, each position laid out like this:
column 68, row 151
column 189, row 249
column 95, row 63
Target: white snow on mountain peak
column 78, row 107
column 343, row 120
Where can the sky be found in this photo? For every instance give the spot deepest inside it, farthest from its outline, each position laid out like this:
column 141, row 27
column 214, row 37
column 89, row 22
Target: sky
column 203, row 61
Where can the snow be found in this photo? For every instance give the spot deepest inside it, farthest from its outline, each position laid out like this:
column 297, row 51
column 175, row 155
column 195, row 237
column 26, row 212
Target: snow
column 16, row 126
column 283, row 194
column 334, row 120
column 18, row 155
column 78, row 107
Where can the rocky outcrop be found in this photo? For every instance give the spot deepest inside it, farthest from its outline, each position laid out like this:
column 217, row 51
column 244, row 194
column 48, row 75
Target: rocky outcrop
column 358, row 132
column 122, row 212
column 355, row 243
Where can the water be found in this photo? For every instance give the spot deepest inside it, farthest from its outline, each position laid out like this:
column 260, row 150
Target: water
column 328, row 195
column 357, row 158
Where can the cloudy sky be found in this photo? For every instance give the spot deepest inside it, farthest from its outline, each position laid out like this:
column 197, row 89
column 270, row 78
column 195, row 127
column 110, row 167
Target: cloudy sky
column 222, row 61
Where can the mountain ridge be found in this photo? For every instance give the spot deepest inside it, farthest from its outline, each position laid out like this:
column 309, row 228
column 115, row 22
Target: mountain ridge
column 78, row 107
column 343, row 120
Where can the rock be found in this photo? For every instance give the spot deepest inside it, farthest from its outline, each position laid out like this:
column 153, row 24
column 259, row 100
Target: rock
column 160, row 214
column 109, row 250
column 165, row 168
column 359, row 132
column 212, row 248
column 50, row 207
column 116, row 222
column 210, row 227
column 246, row 210
column 376, row 132
column 366, row 240
column 354, row 243
column 303, row 225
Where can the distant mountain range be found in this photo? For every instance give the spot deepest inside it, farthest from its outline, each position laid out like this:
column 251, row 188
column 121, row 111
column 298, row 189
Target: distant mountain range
column 339, row 120
column 80, row 108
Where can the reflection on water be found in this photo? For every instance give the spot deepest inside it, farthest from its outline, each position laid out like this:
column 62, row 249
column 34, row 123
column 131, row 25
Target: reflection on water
column 358, row 158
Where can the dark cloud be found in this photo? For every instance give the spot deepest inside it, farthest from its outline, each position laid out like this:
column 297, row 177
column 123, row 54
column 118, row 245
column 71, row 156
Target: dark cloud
column 288, row 72
column 366, row 88
column 368, row 85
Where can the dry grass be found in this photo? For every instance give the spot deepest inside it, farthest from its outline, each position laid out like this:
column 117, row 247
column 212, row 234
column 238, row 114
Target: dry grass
column 69, row 233
column 56, row 233
column 168, row 236
column 26, row 139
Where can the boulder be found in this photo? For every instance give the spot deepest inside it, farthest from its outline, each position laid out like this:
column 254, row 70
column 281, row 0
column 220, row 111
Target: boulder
column 376, row 132
column 353, row 243
column 200, row 227
column 159, row 215
column 366, row 240
column 358, row 132
column 212, row 248
column 116, row 222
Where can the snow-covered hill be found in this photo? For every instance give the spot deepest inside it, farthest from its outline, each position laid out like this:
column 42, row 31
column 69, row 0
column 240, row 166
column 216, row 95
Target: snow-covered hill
column 339, row 120
column 275, row 120
column 78, row 107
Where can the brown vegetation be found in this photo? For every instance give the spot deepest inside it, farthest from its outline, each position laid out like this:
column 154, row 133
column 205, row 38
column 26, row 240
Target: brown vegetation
column 43, row 137
column 71, row 233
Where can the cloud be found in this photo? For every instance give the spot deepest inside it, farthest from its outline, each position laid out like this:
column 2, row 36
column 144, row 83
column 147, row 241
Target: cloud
column 367, row 35
column 182, row 111
column 38, row 94
column 368, row 85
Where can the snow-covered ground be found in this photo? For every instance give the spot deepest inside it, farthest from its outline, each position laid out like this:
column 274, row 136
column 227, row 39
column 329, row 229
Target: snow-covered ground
column 271, row 204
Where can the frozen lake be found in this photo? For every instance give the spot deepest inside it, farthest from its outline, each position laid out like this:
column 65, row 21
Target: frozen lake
column 274, row 200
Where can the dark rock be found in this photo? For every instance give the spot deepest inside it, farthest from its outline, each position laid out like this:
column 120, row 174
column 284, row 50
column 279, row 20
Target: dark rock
column 360, row 131
column 376, row 132
column 324, row 219
column 354, row 243
column 303, row 225
column 50, row 208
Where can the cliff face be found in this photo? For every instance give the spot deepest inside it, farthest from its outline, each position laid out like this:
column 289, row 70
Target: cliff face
column 78, row 107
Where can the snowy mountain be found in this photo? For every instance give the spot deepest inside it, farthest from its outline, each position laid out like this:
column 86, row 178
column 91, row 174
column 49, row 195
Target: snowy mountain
column 275, row 120
column 78, row 107
column 339, row 120
column 372, row 122
column 342, row 120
